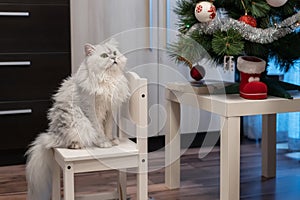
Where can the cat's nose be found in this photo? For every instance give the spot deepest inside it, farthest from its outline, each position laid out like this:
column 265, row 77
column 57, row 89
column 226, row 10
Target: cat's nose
column 114, row 59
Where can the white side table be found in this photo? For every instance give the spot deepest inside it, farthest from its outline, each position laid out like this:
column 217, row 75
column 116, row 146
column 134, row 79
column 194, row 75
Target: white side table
column 230, row 108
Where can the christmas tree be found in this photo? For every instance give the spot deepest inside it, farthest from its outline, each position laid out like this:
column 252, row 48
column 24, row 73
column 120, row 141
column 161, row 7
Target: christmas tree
column 268, row 29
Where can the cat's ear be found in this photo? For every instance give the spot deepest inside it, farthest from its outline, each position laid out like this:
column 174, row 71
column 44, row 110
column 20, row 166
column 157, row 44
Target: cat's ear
column 113, row 42
column 89, row 49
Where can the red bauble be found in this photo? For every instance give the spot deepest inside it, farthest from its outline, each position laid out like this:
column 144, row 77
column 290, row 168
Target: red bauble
column 197, row 72
column 248, row 20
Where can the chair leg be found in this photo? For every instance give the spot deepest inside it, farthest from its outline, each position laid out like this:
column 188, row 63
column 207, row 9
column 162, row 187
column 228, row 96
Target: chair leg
column 56, row 182
column 69, row 182
column 122, row 184
column 142, row 185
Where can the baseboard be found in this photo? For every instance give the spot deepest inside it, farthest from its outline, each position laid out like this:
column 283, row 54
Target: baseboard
column 12, row 157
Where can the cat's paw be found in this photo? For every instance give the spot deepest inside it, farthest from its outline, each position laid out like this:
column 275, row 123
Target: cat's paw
column 75, row 145
column 115, row 141
column 105, row 144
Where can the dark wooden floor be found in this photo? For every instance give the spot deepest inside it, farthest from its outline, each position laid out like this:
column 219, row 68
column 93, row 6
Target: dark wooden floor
column 199, row 178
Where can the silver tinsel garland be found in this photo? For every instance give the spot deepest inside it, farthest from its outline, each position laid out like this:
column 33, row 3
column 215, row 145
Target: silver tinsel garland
column 257, row 35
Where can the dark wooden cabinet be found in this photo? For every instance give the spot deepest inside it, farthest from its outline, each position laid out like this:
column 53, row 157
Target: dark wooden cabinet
column 34, row 28
column 20, row 122
column 35, row 1
column 26, row 77
column 35, row 57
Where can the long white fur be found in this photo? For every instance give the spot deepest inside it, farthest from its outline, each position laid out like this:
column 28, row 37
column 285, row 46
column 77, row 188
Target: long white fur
column 81, row 115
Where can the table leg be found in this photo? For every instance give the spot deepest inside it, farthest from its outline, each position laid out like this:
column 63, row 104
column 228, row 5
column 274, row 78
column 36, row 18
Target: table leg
column 230, row 158
column 172, row 144
column 268, row 145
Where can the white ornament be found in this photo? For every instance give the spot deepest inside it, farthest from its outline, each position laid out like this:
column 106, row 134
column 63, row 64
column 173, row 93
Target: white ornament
column 205, row 11
column 276, row 3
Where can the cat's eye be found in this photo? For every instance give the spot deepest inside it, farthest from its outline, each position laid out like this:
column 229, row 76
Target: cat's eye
column 115, row 53
column 104, row 55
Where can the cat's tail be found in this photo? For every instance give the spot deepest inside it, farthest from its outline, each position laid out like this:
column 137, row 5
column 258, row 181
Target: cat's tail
column 39, row 167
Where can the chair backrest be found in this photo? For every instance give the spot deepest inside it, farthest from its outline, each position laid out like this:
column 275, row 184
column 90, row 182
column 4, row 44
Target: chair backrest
column 133, row 115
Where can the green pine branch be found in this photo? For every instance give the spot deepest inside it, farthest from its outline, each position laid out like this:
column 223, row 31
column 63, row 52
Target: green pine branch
column 187, row 51
column 259, row 8
column 185, row 10
column 227, row 43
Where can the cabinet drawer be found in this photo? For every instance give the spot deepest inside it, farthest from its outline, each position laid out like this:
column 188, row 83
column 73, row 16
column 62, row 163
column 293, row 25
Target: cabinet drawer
column 36, row 1
column 21, row 122
column 32, row 76
column 34, row 28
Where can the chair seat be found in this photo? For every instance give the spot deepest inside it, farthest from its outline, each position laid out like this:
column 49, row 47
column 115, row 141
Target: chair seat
column 125, row 148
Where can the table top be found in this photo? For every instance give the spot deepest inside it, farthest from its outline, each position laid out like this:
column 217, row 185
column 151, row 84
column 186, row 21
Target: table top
column 233, row 104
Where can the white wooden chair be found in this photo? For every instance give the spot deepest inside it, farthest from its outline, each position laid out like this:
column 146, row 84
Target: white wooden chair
column 126, row 155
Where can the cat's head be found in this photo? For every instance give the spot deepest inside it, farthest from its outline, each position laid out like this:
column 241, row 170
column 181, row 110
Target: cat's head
column 106, row 58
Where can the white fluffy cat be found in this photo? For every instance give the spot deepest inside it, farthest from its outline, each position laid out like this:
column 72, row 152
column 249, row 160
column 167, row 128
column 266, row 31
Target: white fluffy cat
column 81, row 115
